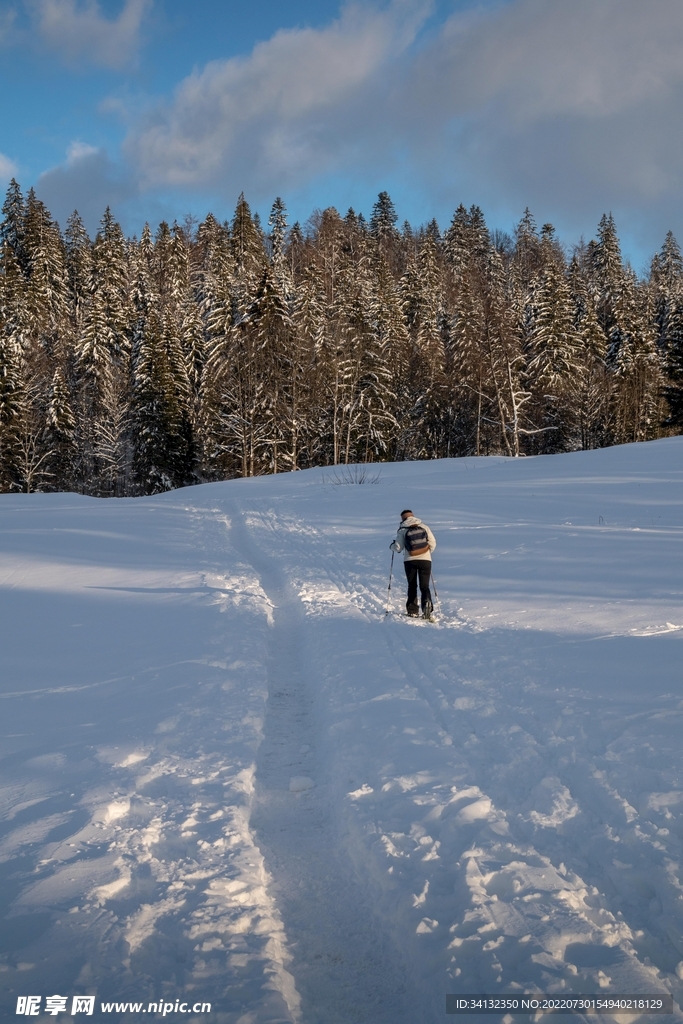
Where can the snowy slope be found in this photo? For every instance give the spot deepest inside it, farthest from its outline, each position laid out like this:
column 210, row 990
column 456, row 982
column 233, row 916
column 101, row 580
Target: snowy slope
column 494, row 802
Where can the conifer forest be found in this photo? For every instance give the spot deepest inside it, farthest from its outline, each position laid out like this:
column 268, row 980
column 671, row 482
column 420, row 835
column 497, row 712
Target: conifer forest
column 214, row 350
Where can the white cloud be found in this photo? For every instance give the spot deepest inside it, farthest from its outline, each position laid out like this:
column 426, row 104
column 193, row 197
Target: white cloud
column 571, row 107
column 589, row 58
column 88, row 181
column 8, row 169
column 78, row 151
column 286, row 112
column 77, row 30
column 574, row 107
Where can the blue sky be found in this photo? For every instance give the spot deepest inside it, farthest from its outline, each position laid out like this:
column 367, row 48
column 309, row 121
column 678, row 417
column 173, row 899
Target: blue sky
column 164, row 107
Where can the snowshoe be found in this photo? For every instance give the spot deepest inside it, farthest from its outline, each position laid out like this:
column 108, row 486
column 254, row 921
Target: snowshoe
column 428, row 612
column 413, row 611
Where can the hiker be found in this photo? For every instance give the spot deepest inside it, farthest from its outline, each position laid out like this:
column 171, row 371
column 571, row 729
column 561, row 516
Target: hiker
column 416, row 541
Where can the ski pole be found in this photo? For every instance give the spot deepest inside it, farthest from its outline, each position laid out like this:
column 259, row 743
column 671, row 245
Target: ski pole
column 391, row 569
column 436, row 595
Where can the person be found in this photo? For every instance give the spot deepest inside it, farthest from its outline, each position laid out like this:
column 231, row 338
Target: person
column 416, row 541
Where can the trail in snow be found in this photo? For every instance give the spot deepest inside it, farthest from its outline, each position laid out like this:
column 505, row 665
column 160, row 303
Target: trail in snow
column 345, row 968
column 496, row 798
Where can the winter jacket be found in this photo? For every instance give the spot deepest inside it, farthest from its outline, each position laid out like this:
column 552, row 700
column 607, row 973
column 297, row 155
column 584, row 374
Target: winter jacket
column 399, row 543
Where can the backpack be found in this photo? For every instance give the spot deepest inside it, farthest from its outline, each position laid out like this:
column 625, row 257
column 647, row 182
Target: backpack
column 416, row 541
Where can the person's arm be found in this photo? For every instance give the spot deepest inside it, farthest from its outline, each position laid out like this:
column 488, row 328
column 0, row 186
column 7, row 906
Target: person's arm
column 397, row 544
column 431, row 539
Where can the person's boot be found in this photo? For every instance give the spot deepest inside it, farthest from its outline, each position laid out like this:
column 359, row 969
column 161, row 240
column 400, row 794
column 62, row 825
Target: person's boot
column 412, row 610
column 427, row 610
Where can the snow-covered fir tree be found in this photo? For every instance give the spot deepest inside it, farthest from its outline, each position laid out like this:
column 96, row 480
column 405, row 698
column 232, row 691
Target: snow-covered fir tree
column 200, row 352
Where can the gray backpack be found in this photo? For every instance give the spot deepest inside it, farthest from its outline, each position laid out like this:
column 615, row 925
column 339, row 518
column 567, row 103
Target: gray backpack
column 416, row 540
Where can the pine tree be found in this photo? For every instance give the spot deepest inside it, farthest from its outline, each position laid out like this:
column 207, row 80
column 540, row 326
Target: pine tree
column 457, row 248
column 466, row 370
column 12, row 226
column 426, row 320
column 377, row 399
column 673, row 363
column 504, row 356
column 248, row 252
column 78, row 268
column 394, row 345
column 666, row 283
column 384, row 218
column 94, row 350
column 367, row 333
column 529, row 258
column 670, row 265
column 61, row 432
column 13, row 306
column 183, row 393
column 10, row 408
column 160, row 260
column 296, row 252
column 160, row 457
column 269, row 322
column 636, row 364
column 31, row 451
column 278, row 230
column 218, row 305
column 343, row 340
column 383, row 230
column 193, row 344
column 608, row 274
column 178, row 267
column 309, row 322
column 112, row 440
column 553, row 357
column 46, row 291
column 110, row 281
column 592, row 381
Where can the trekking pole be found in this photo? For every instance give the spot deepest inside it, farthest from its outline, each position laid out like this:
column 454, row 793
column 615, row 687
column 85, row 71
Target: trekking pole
column 436, row 595
column 391, row 569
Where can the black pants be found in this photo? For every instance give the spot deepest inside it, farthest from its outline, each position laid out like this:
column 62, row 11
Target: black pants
column 418, row 568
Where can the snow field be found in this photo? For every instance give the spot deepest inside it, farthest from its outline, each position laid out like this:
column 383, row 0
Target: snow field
column 226, row 773
column 141, row 735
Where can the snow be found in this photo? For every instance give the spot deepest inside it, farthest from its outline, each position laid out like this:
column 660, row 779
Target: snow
column 227, row 776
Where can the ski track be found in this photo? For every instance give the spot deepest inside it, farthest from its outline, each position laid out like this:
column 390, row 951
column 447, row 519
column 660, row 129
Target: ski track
column 345, row 969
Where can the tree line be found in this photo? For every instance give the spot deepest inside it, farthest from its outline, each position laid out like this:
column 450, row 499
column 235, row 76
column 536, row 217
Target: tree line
column 215, row 350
